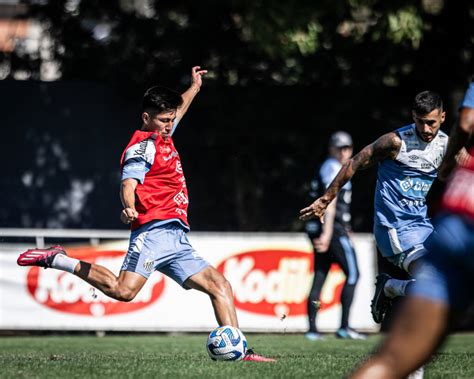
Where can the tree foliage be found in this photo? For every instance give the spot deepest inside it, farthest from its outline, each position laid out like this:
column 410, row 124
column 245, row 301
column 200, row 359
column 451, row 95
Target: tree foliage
column 270, row 42
column 283, row 74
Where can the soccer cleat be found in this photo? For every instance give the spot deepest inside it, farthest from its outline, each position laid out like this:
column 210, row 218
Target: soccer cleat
column 40, row 257
column 314, row 336
column 380, row 303
column 251, row 356
column 350, row 334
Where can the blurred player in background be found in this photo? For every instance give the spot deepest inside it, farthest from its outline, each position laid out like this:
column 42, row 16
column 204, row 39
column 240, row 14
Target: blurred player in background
column 445, row 281
column 408, row 159
column 155, row 202
column 331, row 241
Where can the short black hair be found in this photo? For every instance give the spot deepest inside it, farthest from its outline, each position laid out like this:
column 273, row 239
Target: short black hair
column 427, row 101
column 159, row 99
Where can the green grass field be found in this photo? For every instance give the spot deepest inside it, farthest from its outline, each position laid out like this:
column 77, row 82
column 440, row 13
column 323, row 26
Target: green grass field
column 185, row 356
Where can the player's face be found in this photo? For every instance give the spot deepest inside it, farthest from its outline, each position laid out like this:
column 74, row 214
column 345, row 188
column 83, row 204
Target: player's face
column 342, row 154
column 427, row 125
column 162, row 123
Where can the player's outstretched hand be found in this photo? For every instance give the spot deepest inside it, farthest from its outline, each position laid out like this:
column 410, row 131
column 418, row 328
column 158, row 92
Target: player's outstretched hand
column 317, row 209
column 128, row 215
column 196, row 76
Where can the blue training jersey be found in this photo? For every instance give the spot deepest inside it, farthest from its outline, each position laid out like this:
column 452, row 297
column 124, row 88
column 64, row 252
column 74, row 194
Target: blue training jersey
column 403, row 183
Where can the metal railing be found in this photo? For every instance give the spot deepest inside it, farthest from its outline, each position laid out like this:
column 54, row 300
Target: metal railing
column 93, row 235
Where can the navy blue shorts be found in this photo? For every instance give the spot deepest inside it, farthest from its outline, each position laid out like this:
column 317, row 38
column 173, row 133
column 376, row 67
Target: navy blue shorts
column 447, row 272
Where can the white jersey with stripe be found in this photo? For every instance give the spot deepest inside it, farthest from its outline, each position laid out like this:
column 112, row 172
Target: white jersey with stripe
column 403, row 183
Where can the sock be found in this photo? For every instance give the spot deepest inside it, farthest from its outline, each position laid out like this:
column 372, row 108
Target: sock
column 395, row 287
column 417, row 374
column 64, row 263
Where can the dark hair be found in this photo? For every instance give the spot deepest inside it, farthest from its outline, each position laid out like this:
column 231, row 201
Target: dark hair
column 159, row 99
column 427, row 101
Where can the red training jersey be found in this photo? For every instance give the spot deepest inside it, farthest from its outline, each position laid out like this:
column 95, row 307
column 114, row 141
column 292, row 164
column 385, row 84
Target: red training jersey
column 161, row 193
column 459, row 194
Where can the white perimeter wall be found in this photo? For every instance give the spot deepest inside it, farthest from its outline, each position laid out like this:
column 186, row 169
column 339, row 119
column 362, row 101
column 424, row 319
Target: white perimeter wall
column 270, row 273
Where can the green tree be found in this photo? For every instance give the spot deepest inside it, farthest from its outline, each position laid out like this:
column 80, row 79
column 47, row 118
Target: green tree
column 283, row 75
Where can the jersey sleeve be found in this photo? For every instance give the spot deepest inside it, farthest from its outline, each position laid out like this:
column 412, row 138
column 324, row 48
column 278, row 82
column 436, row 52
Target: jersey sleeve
column 138, row 160
column 328, row 171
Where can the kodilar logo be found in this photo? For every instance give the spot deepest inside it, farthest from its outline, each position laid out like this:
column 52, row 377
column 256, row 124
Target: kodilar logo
column 277, row 282
column 64, row 292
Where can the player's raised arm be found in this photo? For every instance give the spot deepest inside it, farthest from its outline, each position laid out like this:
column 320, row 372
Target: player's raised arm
column 387, row 146
column 191, row 92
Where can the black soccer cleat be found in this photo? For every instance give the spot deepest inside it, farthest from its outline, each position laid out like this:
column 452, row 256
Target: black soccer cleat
column 380, row 302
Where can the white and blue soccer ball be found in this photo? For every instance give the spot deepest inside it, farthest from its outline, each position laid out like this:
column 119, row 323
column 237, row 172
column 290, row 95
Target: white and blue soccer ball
column 226, row 343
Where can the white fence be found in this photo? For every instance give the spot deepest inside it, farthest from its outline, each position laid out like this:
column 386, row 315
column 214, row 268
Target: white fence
column 270, row 273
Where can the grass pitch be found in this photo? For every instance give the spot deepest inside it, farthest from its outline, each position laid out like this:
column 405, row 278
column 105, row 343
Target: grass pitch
column 180, row 356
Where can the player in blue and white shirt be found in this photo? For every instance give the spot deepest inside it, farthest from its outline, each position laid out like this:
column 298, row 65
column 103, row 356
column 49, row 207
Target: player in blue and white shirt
column 408, row 160
column 445, row 280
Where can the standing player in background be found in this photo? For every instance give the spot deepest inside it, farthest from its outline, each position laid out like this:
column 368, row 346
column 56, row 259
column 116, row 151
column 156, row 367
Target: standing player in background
column 155, row 202
column 331, row 242
column 408, row 159
column 445, row 282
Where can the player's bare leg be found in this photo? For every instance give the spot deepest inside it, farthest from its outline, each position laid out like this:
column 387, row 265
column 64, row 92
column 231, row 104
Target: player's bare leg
column 123, row 288
column 417, row 331
column 213, row 283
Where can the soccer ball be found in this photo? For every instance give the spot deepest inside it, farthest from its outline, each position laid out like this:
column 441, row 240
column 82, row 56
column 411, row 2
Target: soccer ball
column 226, row 343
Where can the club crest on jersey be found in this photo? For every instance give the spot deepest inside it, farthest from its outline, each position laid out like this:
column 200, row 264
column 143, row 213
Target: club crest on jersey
column 148, row 265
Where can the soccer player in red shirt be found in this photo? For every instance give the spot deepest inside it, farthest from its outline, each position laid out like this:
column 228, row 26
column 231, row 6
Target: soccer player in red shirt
column 155, row 202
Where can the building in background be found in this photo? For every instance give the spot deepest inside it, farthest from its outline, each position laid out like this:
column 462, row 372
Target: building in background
column 23, row 37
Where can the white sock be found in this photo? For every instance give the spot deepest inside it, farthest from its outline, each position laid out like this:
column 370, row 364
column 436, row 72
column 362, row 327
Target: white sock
column 395, row 287
column 64, row 263
column 417, row 374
